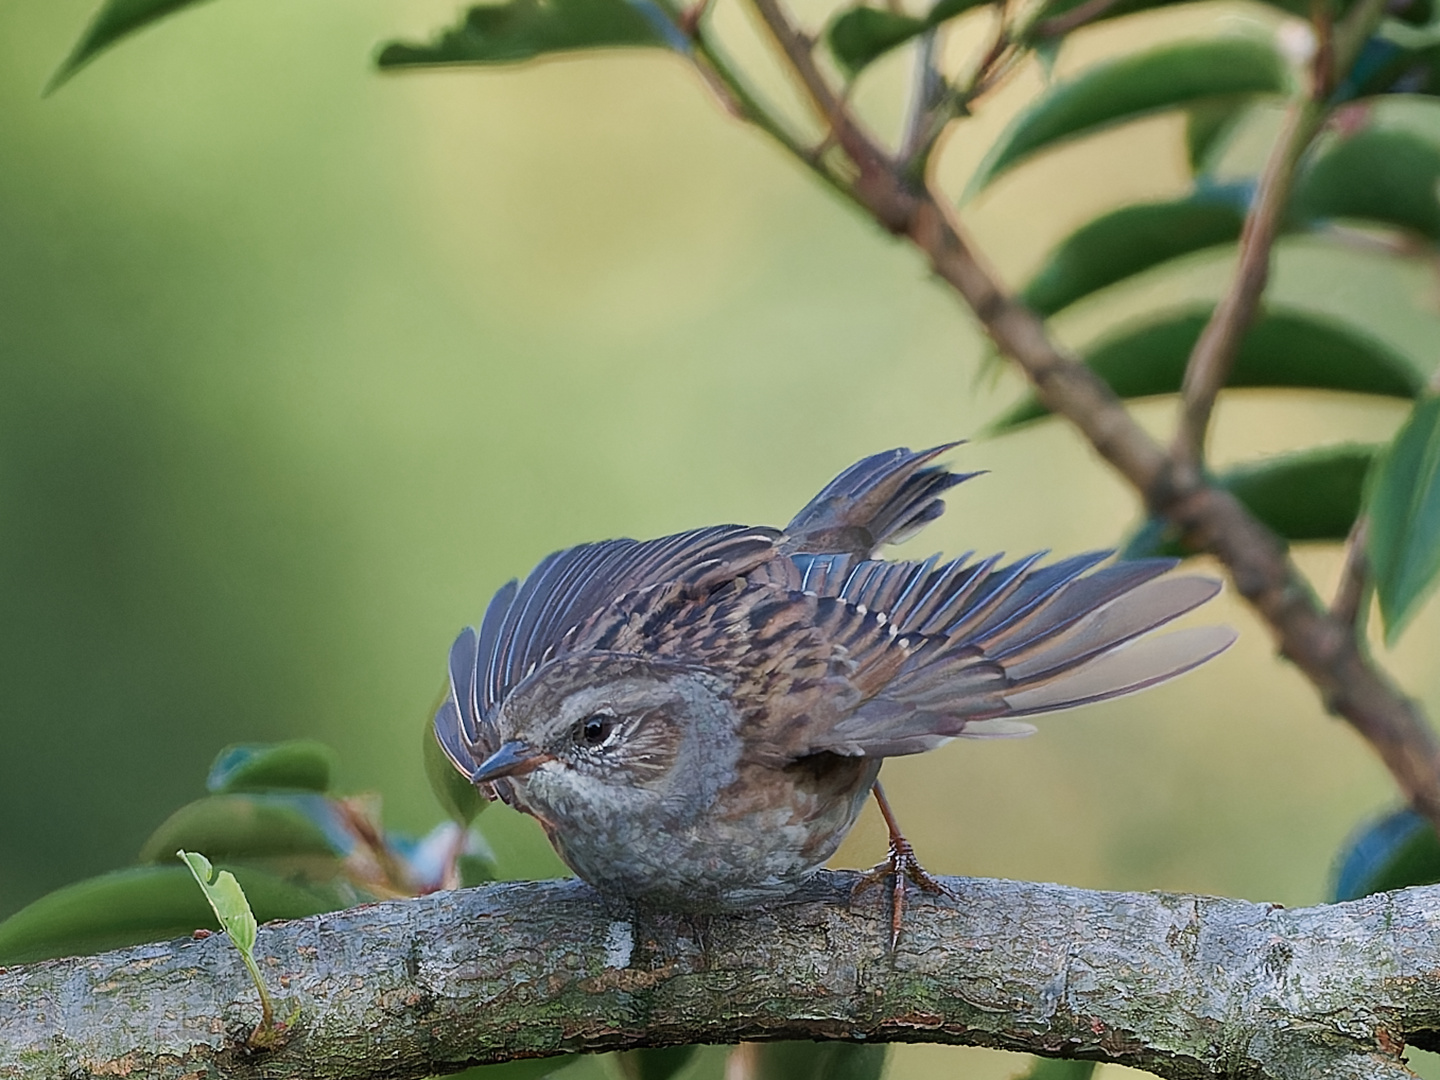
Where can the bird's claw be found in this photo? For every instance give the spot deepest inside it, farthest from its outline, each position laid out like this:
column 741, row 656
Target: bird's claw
column 901, row 866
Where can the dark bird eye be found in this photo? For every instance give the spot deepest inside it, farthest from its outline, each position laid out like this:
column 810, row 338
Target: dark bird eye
column 595, row 729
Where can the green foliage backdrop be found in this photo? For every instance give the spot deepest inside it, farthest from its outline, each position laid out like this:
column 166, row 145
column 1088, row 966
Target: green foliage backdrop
column 299, row 362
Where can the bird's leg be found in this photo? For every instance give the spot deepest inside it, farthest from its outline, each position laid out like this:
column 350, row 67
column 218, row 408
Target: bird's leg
column 901, row 863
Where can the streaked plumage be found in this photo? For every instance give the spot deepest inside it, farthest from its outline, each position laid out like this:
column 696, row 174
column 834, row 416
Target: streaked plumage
column 742, row 685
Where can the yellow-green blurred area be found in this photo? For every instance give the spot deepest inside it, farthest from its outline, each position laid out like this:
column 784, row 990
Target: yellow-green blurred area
column 299, row 362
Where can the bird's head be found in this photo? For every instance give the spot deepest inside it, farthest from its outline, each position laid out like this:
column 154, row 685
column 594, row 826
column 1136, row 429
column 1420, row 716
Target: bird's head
column 615, row 729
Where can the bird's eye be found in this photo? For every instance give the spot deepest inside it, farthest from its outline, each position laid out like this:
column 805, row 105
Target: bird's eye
column 595, row 729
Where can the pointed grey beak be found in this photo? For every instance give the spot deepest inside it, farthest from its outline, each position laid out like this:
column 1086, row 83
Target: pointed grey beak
column 515, row 758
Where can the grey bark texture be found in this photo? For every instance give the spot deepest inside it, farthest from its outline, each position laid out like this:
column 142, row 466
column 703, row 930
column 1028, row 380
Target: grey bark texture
column 1184, row 986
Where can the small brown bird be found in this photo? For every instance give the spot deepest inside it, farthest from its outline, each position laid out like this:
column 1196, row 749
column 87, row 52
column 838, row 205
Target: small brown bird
column 697, row 721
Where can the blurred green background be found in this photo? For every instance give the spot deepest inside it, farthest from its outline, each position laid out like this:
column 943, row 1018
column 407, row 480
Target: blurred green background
column 299, row 362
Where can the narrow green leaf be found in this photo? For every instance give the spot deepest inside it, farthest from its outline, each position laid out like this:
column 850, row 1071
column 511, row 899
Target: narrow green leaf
column 1377, row 175
column 1134, row 86
column 1393, row 852
column 1208, row 127
column 1307, row 496
column 299, row 764
column 1059, row 8
column 658, row 1063
column 1282, row 349
column 819, row 1061
column 523, row 29
column 1134, row 239
column 226, row 898
column 148, row 903
column 863, row 34
column 1411, row 11
column 859, row 36
column 460, row 799
column 249, row 827
column 1404, row 507
column 115, row 19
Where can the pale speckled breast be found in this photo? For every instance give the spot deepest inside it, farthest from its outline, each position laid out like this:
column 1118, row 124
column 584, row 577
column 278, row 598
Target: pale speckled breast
column 758, row 842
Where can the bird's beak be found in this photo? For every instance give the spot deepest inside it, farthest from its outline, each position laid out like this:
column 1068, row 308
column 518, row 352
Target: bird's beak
column 515, row 758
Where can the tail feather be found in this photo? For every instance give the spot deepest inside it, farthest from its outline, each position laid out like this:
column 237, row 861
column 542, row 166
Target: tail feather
column 1124, row 670
column 1077, row 600
column 881, row 499
column 1137, row 612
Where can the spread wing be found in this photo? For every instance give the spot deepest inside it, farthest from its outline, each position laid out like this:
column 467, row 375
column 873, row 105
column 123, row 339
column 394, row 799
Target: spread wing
column 532, row 622
column 931, row 652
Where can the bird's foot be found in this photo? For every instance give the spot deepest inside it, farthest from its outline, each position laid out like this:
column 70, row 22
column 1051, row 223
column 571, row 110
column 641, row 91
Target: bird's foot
column 900, row 866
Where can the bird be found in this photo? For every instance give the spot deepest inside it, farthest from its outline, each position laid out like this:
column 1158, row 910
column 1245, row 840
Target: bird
column 697, row 721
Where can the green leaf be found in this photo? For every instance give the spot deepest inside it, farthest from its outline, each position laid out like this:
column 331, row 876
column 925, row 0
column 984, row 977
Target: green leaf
column 1413, row 11
column 460, row 799
column 863, row 34
column 1120, row 8
column 251, row 827
column 226, row 898
column 1404, row 507
column 818, row 1061
column 300, row 764
column 130, row 907
column 523, row 29
column 659, row 1063
column 1393, row 852
column 1208, row 127
column 860, row 35
column 1306, row 496
column 1282, row 349
column 115, row 20
column 1174, row 76
column 1309, row 495
column 1134, row 239
column 1377, row 175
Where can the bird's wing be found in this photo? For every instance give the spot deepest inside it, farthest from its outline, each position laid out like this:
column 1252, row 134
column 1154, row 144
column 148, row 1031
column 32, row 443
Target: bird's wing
column 528, row 625
column 531, row 622
column 881, row 499
column 932, row 652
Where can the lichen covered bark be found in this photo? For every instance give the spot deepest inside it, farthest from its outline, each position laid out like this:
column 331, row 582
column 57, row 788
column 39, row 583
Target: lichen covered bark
column 1184, row 986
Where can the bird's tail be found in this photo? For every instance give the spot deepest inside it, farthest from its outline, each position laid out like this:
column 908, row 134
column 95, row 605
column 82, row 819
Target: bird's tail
column 881, row 499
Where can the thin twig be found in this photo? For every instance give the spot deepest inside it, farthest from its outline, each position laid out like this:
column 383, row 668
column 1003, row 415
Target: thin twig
column 989, row 69
column 1354, row 575
column 924, row 97
column 1215, row 350
column 1076, row 17
column 873, row 164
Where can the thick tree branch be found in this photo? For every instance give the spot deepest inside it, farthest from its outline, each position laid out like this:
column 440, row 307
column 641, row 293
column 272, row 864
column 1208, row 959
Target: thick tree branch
column 1185, row 986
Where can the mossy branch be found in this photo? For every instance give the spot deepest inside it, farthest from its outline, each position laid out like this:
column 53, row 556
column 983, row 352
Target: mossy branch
column 1184, row 986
